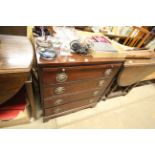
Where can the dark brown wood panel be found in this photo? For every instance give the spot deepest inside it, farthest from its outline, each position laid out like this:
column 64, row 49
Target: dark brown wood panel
column 14, row 30
column 69, row 106
column 47, row 118
column 10, row 84
column 51, row 75
column 75, row 87
column 64, row 99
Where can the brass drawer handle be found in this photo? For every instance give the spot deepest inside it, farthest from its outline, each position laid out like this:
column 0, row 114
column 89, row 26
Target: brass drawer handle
column 95, row 93
column 101, row 83
column 108, row 72
column 61, row 77
column 57, row 110
column 59, row 90
column 58, row 102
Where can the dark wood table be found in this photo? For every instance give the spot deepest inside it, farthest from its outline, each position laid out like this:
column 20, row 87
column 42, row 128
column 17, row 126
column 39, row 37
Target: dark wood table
column 16, row 58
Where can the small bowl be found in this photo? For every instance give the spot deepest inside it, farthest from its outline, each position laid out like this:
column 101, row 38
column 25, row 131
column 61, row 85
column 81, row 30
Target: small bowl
column 47, row 54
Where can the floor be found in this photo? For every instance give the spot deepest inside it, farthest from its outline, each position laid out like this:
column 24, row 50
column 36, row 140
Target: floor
column 135, row 110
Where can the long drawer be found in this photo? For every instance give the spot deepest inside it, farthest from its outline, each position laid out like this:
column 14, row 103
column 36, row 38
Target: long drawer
column 75, row 87
column 69, row 106
column 67, row 74
column 63, row 99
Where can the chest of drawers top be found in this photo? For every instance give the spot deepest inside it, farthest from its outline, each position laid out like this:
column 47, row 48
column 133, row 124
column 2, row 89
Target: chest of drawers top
column 76, row 60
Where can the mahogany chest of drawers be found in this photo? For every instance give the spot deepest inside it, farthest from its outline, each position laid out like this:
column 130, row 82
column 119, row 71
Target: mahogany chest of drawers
column 70, row 83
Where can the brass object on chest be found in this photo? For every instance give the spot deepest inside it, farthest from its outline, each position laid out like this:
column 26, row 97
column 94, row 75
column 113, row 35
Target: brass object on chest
column 108, row 72
column 59, row 90
column 96, row 93
column 58, row 102
column 101, row 83
column 61, row 77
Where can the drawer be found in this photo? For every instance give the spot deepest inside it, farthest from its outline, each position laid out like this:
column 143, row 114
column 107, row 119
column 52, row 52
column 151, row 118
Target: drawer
column 66, row 74
column 69, row 106
column 63, row 99
column 74, row 87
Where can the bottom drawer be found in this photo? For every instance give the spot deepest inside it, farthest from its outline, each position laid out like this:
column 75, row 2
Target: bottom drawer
column 69, row 106
column 64, row 99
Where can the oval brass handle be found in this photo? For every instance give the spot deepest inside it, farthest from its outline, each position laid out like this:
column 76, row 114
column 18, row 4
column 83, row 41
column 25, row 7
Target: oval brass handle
column 57, row 110
column 61, row 77
column 108, row 72
column 91, row 100
column 95, row 93
column 59, row 90
column 101, row 83
column 58, row 102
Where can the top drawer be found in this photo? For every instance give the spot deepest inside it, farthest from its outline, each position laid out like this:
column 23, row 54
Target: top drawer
column 66, row 74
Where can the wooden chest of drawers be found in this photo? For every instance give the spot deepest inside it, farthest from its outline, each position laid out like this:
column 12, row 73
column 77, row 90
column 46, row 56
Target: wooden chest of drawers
column 70, row 83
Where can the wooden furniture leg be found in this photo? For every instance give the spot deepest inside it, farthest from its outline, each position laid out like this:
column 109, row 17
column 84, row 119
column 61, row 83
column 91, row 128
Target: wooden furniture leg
column 30, row 95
